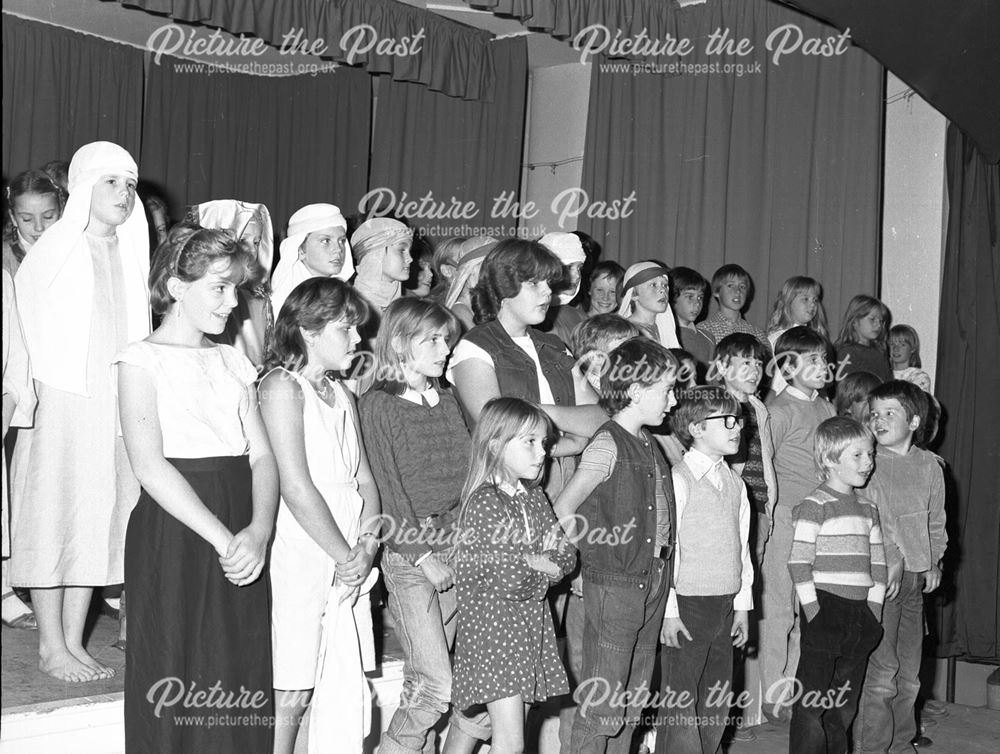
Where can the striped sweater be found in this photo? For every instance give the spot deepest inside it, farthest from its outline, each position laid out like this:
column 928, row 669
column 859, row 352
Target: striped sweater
column 838, row 548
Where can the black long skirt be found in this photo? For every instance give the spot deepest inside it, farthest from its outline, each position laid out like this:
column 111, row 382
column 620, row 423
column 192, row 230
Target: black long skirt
column 198, row 653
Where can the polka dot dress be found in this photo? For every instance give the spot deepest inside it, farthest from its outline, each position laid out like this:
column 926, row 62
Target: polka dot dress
column 505, row 643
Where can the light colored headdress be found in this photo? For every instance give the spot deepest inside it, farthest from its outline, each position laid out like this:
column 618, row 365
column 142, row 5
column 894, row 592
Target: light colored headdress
column 370, row 242
column 234, row 215
column 55, row 282
column 291, row 270
column 568, row 250
column 474, row 251
column 643, row 272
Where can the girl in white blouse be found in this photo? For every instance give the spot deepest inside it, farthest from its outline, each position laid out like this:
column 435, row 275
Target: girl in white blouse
column 196, row 542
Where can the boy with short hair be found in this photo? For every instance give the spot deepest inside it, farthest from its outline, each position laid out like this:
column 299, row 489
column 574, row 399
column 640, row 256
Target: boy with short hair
column 838, row 566
column 796, row 412
column 591, row 342
column 731, row 286
column 908, row 488
column 622, row 484
column 710, row 600
column 687, row 288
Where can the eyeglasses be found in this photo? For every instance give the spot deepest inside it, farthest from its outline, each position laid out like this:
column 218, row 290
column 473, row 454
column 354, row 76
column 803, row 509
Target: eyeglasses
column 731, row 420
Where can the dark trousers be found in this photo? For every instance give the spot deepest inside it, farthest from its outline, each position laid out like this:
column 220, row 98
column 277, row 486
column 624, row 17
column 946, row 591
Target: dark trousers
column 835, row 649
column 620, row 631
column 702, row 669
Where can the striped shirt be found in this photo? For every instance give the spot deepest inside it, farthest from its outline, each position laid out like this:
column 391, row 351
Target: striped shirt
column 837, row 548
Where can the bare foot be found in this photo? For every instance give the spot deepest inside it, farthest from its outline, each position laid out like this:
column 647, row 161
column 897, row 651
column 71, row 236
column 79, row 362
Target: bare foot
column 66, row 667
column 101, row 671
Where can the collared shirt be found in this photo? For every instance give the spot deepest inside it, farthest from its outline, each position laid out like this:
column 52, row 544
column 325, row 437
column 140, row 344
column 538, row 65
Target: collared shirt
column 419, row 396
column 796, row 393
column 701, row 466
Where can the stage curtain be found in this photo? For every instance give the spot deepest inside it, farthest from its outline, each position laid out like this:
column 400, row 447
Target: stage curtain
column 61, row 90
column 968, row 383
column 470, row 151
column 450, row 57
column 283, row 141
column 777, row 169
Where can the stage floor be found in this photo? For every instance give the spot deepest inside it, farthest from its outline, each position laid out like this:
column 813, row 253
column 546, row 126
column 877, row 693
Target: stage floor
column 32, row 700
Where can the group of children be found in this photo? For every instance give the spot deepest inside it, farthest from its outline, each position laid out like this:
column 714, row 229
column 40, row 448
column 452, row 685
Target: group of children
column 276, row 489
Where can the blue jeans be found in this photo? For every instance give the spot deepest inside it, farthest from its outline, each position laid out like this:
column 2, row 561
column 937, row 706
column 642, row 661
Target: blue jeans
column 886, row 717
column 420, row 613
column 621, row 628
column 699, row 664
column 835, row 647
column 573, row 620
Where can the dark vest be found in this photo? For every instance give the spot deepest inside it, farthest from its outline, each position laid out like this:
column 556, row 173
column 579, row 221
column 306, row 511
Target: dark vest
column 515, row 371
column 626, row 503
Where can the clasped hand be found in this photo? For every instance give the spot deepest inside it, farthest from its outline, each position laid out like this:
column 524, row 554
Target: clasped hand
column 244, row 557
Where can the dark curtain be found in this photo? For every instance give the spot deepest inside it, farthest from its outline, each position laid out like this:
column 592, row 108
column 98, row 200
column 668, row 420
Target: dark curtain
column 283, row 141
column 948, row 52
column 449, row 57
column 61, row 90
column 968, row 386
column 777, row 169
column 469, row 151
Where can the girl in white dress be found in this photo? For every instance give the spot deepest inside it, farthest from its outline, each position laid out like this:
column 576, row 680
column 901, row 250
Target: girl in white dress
column 325, row 535
column 82, row 297
column 196, row 542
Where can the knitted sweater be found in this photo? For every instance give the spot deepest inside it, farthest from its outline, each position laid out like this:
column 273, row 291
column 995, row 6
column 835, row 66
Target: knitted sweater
column 419, row 456
column 837, row 548
column 794, row 420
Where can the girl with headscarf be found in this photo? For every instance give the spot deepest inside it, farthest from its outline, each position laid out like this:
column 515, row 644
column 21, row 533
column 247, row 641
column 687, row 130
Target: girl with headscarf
column 382, row 253
column 459, row 298
column 82, row 296
column 316, row 246
column 646, row 302
column 251, row 323
column 563, row 318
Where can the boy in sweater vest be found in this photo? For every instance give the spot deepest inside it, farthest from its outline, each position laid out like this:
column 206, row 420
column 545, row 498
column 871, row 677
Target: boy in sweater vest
column 801, row 354
column 709, row 602
column 908, row 488
column 838, row 566
column 619, row 506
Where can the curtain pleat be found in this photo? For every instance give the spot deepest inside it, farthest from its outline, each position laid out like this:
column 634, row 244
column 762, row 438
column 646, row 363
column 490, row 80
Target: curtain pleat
column 62, row 90
column 282, row 141
column 774, row 168
column 967, row 385
column 447, row 57
column 454, row 149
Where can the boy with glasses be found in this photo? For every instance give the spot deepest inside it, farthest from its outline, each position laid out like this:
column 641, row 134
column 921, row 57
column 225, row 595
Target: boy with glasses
column 709, row 602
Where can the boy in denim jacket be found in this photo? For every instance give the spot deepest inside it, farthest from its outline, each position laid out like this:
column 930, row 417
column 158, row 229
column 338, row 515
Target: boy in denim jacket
column 620, row 505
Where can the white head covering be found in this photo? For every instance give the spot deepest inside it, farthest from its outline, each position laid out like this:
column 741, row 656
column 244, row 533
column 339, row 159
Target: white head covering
column 291, row 270
column 370, row 242
column 643, row 272
column 473, row 252
column 234, row 215
column 569, row 250
column 55, row 283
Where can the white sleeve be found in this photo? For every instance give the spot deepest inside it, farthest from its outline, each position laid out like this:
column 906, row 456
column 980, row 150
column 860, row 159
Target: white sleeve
column 464, row 351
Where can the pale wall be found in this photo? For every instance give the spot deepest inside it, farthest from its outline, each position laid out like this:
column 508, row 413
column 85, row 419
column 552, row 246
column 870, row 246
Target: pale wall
column 556, row 129
column 913, row 217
